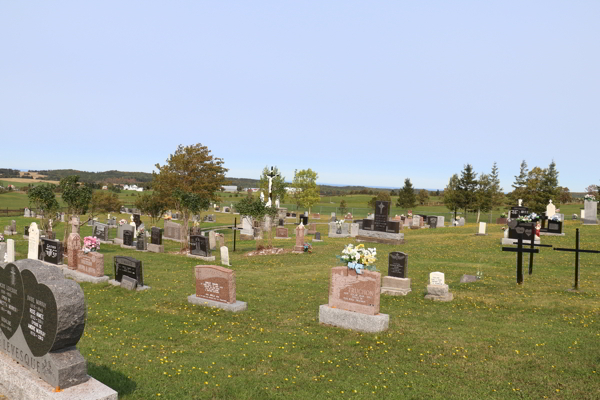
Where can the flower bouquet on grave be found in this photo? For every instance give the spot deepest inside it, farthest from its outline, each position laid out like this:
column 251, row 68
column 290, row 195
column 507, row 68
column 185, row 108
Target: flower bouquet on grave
column 503, row 215
column 525, row 218
column 409, row 213
column 359, row 258
column 140, row 233
column 90, row 243
column 555, row 218
column 122, row 222
column 589, row 197
column 1, row 238
column 307, row 248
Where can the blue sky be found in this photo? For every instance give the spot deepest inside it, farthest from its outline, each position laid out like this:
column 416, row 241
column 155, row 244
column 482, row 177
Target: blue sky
column 363, row 92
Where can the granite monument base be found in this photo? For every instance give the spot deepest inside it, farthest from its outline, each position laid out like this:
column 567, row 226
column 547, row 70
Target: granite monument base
column 211, row 258
column 156, row 248
column 380, row 237
column 81, row 277
column 395, row 286
column 128, row 247
column 117, row 241
column 234, row 307
column 551, row 234
column 514, row 241
column 18, row 383
column 353, row 320
column 138, row 288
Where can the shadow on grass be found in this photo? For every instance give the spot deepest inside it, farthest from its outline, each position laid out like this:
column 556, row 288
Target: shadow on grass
column 113, row 379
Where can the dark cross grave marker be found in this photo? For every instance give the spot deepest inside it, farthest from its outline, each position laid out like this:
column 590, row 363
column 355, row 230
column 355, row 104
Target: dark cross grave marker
column 520, row 250
column 531, row 254
column 577, row 250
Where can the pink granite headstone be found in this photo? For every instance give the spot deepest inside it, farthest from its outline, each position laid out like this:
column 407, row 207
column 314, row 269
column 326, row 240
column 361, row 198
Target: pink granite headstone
column 73, row 249
column 299, row 238
column 281, row 232
column 91, row 263
column 215, row 283
column 353, row 292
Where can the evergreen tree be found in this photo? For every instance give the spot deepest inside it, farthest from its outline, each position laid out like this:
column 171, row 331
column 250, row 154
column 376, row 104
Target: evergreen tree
column 484, row 194
column 451, row 194
column 497, row 193
column 406, row 197
column 519, row 187
column 467, row 186
column 549, row 186
column 423, row 196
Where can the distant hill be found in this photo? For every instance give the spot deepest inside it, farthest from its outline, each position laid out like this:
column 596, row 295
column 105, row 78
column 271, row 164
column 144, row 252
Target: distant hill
column 122, row 177
column 98, row 177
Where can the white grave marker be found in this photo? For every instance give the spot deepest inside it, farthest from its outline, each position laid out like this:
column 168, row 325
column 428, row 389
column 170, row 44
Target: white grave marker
column 436, row 278
column 482, row 228
column 34, row 241
column 550, row 209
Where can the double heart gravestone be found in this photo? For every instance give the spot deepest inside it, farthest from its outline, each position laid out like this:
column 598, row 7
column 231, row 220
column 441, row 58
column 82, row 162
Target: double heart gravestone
column 42, row 319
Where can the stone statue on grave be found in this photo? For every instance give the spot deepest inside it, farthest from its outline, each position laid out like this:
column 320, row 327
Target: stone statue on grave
column 277, row 202
column 262, row 197
column 538, row 228
column 50, row 225
column 520, row 202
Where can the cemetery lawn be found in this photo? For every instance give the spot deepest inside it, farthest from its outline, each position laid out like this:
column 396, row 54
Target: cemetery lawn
column 495, row 340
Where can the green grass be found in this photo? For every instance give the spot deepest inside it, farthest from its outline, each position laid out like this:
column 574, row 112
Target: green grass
column 495, row 340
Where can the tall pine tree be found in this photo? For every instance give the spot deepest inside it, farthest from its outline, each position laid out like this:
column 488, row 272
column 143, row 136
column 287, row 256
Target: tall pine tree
column 407, row 197
column 467, row 187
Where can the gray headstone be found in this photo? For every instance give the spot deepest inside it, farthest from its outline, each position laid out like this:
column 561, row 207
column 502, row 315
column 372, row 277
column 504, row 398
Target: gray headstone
column 128, row 283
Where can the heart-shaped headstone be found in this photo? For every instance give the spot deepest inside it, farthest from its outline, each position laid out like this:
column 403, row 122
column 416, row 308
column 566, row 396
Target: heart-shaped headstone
column 11, row 299
column 520, row 230
column 40, row 318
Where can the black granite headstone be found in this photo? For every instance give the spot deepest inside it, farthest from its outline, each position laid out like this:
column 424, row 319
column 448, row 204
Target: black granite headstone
column 128, row 266
column 393, row 226
column 281, row 223
column 128, row 238
column 156, row 235
column 554, row 226
column 397, row 264
column 199, row 246
column 141, row 242
column 318, row 236
column 101, row 231
column 52, row 251
column 137, row 218
column 304, row 219
column 26, row 230
column 367, row 224
column 516, row 212
column 525, row 228
column 382, row 209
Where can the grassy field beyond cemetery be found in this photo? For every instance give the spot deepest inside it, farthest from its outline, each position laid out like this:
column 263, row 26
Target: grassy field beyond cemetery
column 495, row 340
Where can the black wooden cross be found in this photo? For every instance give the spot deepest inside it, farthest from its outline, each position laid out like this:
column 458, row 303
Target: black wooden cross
column 577, row 251
column 520, row 250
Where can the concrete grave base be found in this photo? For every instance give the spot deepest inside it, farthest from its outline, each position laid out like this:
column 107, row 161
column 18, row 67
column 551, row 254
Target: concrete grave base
column 282, row 238
column 128, row 247
column 174, row 240
column 139, row 288
column 81, row 277
column 235, row 307
column 481, row 234
column 395, row 286
column 18, row 383
column 156, row 248
column 380, row 237
column 438, row 293
column 9, row 233
column 551, row 234
column 514, row 241
column 52, row 265
column 211, row 258
column 353, row 320
column 106, row 241
column 118, row 241
column 317, row 240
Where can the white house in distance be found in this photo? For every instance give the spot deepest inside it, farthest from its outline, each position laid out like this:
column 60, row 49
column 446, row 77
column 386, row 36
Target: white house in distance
column 230, row 189
column 133, row 187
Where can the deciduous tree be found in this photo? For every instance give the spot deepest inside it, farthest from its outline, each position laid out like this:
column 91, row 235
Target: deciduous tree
column 44, row 198
column 193, row 170
column 307, row 191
